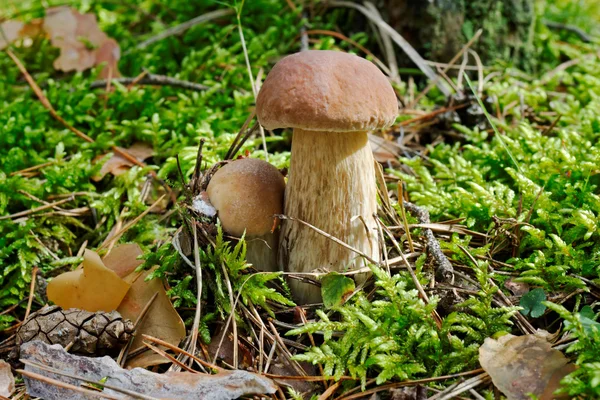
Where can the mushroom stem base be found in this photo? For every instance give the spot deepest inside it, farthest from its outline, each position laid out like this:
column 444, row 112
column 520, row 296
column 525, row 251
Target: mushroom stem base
column 261, row 252
column 332, row 187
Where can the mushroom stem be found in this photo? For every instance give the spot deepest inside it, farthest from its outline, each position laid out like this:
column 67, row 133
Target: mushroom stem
column 261, row 252
column 331, row 186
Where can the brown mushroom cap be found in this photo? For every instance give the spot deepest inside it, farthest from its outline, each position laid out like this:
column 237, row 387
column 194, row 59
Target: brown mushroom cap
column 247, row 193
column 324, row 90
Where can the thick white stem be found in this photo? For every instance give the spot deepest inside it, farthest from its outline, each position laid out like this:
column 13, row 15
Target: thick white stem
column 261, row 252
column 332, row 187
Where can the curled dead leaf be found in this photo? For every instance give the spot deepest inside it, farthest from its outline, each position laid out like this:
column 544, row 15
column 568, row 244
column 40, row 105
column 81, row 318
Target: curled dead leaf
column 10, row 31
column 124, row 259
column 118, row 165
column 92, row 288
column 7, row 380
column 81, row 42
column 384, row 150
column 520, row 365
column 161, row 321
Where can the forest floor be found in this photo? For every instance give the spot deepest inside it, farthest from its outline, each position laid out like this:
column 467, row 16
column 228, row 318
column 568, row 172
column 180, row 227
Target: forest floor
column 512, row 192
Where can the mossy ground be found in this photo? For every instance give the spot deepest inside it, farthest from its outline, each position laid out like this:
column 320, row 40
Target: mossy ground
column 531, row 187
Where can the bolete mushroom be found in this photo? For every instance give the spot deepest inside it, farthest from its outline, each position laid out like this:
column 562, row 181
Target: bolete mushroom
column 331, row 99
column 247, row 193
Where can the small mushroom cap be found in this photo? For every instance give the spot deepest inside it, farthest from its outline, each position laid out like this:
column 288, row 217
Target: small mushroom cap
column 247, row 193
column 324, row 90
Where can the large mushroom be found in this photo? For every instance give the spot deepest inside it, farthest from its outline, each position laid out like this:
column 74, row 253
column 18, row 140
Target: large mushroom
column 247, row 193
column 331, row 100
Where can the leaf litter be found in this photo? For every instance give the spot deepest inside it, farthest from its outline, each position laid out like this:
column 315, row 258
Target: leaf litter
column 52, row 361
column 524, row 365
column 449, row 246
column 81, row 42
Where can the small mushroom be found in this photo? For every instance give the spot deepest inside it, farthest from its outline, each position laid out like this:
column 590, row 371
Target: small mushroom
column 247, row 194
column 331, row 99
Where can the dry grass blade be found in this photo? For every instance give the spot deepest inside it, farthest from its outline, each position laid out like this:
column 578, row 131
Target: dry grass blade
column 400, row 41
column 31, row 292
column 328, row 236
column 523, row 323
column 388, row 46
column 450, row 63
column 44, row 100
column 181, row 351
column 330, row 391
column 251, row 77
column 34, row 210
column 408, row 383
column 403, row 214
column 362, row 48
column 463, row 387
column 25, row 171
column 123, row 354
column 169, row 357
column 46, row 103
column 121, row 231
column 198, row 313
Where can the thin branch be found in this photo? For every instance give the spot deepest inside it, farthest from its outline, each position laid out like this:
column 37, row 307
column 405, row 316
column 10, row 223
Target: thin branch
column 570, row 28
column 151, row 79
column 34, row 210
column 444, row 270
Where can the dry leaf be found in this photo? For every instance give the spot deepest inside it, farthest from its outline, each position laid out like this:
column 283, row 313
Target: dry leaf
column 123, row 259
column 161, row 321
column 81, row 42
column 11, row 31
column 118, row 165
column 384, row 150
column 93, row 288
column 171, row 385
column 516, row 288
column 7, row 380
column 519, row 365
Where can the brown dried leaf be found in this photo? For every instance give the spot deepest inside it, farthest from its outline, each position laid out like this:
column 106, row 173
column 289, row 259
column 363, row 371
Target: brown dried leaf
column 161, row 321
column 516, row 288
column 81, row 42
column 123, row 259
column 93, row 288
column 519, row 365
column 11, row 31
column 171, row 385
column 14, row 30
column 384, row 150
column 7, row 380
column 118, row 165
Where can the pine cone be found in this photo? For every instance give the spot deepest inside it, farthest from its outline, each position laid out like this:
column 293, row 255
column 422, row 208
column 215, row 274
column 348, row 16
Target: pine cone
column 87, row 332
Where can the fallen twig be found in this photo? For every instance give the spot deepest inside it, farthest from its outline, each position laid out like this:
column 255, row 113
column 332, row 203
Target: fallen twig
column 444, row 270
column 571, row 28
column 151, row 79
column 34, row 210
